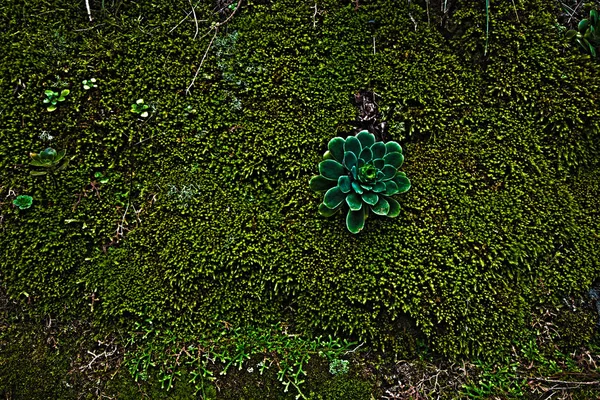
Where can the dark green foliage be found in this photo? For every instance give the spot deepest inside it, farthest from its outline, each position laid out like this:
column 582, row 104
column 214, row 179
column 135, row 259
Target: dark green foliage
column 501, row 149
column 356, row 171
column 23, row 202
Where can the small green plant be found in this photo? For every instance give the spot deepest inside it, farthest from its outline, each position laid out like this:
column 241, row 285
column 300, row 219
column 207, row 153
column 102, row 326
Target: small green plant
column 140, row 108
column 53, row 98
column 23, row 202
column 89, row 83
column 360, row 174
column 587, row 34
column 339, row 367
column 49, row 160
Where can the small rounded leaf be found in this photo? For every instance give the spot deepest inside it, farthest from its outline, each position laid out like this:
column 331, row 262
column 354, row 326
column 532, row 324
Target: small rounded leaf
column 388, row 172
column 356, row 187
column 334, row 197
column 378, row 163
column 366, row 154
column 326, row 211
column 350, row 160
column 331, row 169
column 336, row 148
column 380, row 187
column 402, row 181
column 390, row 188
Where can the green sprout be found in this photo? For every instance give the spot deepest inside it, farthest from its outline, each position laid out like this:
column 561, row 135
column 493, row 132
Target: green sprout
column 140, row 108
column 53, row 98
column 587, row 34
column 360, row 174
column 89, row 83
column 23, row 202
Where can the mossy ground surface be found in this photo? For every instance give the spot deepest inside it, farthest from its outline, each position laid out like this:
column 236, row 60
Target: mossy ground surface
column 204, row 217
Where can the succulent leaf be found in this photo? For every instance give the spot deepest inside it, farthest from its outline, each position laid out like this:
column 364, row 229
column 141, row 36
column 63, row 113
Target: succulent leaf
column 336, row 148
column 48, row 154
column 583, row 24
column 366, row 138
column 378, row 150
column 355, row 220
column 394, row 159
column 366, row 154
column 402, row 181
column 390, row 188
column 391, row 147
column 319, row 183
column 331, row 169
column 344, row 183
column 51, row 108
column 388, row 172
column 352, row 144
column 380, row 187
column 378, row 163
column 326, row 211
column 370, row 198
column 394, row 208
column 350, row 160
column 356, row 187
column 382, row 207
column 354, row 201
column 334, row 197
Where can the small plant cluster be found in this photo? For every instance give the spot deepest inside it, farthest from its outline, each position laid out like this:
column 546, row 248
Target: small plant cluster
column 89, row 83
column 287, row 353
column 23, row 202
column 53, row 98
column 587, row 35
column 360, row 174
column 140, row 108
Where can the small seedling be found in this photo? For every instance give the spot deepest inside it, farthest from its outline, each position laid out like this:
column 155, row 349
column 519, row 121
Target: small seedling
column 49, row 159
column 587, row 34
column 101, row 178
column 23, row 202
column 89, row 83
column 53, row 98
column 140, row 108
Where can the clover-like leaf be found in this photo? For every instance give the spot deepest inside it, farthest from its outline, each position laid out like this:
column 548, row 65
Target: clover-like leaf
column 331, row 169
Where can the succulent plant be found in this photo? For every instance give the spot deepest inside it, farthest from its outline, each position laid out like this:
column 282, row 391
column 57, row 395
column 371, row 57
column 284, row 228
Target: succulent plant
column 140, row 108
column 587, row 34
column 23, row 202
column 360, row 174
column 54, row 97
column 49, row 159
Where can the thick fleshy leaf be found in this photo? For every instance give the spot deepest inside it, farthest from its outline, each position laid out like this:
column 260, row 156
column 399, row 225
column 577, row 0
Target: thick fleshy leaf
column 388, row 172
column 379, row 187
column 353, row 172
column 59, row 155
column 360, row 163
column 378, row 150
column 355, row 220
column 402, row 181
column 394, row 208
column 344, row 183
column 326, row 211
column 366, row 187
column 366, row 138
column 356, row 187
column 50, row 93
column 334, row 197
column 382, row 207
column 352, row 144
column 65, row 92
column 349, row 160
column 370, row 198
column 336, row 148
column 583, row 24
column 354, row 201
column 366, row 154
column 48, row 154
column 331, row 169
column 51, row 108
column 378, row 163
column 390, row 188
column 394, row 159
column 391, row 147
column 327, row 155
column 594, row 17
column 319, row 183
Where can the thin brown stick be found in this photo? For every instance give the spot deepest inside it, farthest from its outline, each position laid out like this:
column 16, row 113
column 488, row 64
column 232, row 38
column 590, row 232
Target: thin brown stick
column 195, row 19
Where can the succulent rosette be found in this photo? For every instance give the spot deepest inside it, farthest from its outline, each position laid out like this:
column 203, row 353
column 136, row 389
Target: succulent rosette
column 361, row 174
